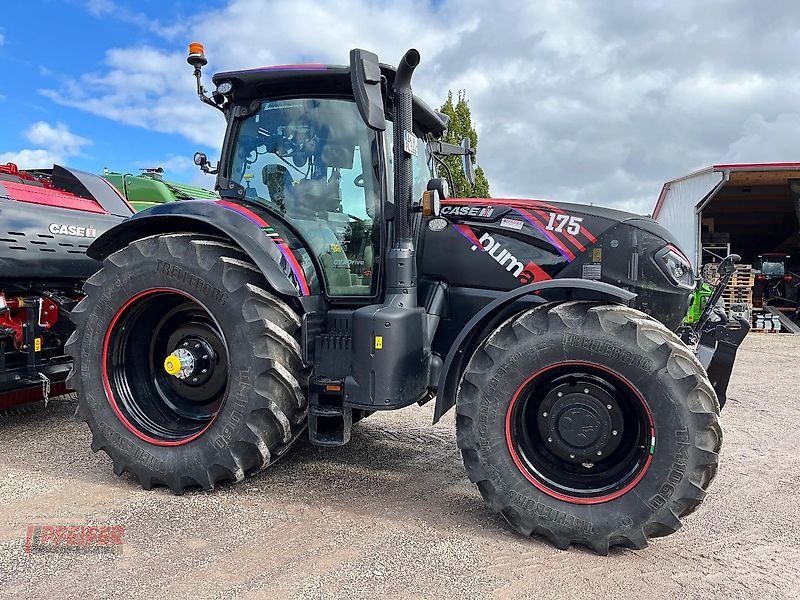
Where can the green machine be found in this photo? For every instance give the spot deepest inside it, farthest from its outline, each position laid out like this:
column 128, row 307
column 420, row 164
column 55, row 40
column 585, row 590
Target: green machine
column 149, row 188
column 700, row 298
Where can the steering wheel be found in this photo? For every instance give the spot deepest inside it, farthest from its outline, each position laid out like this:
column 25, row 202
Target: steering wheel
column 359, row 181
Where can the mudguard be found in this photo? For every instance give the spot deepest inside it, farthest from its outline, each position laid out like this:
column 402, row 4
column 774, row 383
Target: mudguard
column 234, row 221
column 475, row 331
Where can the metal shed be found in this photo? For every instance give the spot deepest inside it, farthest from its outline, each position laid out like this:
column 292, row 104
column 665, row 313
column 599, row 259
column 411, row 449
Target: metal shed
column 748, row 209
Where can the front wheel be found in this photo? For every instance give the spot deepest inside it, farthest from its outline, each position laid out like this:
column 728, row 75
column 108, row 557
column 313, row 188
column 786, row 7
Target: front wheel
column 187, row 368
column 588, row 424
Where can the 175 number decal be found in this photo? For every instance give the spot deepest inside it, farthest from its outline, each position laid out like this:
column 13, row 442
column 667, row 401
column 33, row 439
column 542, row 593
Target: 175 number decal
column 557, row 223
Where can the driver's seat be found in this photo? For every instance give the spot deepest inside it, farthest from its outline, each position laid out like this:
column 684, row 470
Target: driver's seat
column 308, row 197
column 279, row 183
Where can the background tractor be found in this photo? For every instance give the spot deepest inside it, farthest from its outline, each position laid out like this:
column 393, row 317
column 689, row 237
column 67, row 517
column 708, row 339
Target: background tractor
column 150, row 188
column 334, row 278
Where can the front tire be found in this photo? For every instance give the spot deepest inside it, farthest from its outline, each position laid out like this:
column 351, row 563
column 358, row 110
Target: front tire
column 235, row 401
column 588, row 424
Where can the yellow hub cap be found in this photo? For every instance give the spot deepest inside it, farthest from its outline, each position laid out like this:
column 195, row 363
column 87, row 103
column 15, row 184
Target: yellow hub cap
column 172, row 365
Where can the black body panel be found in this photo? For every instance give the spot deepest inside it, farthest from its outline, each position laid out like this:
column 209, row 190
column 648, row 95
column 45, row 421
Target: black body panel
column 491, row 246
column 31, row 252
column 90, row 186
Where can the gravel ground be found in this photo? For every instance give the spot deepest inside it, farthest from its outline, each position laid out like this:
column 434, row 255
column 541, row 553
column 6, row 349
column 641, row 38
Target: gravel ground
column 393, row 515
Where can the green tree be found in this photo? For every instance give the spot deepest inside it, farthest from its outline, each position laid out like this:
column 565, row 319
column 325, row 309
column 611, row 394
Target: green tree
column 459, row 128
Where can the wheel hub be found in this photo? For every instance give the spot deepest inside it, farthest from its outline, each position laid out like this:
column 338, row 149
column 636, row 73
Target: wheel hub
column 192, row 362
column 181, row 363
column 581, row 422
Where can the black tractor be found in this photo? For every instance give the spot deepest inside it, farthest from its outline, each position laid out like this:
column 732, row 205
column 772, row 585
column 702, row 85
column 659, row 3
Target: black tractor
column 335, row 278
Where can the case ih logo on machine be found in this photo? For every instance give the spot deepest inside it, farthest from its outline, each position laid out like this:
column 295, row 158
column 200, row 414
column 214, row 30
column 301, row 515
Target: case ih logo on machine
column 73, row 230
column 468, row 211
column 524, row 273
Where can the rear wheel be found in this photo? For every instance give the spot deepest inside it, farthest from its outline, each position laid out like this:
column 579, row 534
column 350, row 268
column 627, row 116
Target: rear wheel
column 588, row 424
column 187, row 368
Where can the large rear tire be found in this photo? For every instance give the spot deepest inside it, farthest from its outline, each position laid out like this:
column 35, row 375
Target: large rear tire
column 588, row 424
column 238, row 401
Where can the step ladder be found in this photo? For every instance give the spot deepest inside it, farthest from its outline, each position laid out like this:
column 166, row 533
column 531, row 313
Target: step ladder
column 329, row 423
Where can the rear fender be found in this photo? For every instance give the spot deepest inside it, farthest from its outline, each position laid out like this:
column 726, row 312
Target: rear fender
column 207, row 217
column 487, row 319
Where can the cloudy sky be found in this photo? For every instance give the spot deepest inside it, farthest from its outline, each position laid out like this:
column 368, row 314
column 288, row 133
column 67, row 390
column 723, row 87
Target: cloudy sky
column 586, row 101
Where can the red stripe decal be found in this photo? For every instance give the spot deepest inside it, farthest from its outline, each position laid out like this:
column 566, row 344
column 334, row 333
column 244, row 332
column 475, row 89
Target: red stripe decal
column 521, row 203
column 290, row 257
column 539, row 274
column 516, row 203
column 465, row 231
column 296, row 268
column 568, row 236
column 563, row 250
column 245, row 212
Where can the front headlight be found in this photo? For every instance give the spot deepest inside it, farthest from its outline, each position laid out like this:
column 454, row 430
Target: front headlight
column 676, row 267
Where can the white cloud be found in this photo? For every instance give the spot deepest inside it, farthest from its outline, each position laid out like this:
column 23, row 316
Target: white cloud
column 31, row 159
column 56, row 144
column 589, row 102
column 58, row 138
column 2, row 39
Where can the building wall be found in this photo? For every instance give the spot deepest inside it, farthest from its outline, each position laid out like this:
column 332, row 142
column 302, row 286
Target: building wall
column 678, row 211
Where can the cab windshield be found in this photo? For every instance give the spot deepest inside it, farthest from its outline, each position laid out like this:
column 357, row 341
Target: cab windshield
column 772, row 269
column 312, row 160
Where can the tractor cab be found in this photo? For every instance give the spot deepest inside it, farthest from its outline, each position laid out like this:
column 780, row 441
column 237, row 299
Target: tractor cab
column 314, row 145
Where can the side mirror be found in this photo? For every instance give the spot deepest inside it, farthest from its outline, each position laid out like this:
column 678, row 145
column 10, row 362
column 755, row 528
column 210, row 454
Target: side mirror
column 365, row 77
column 438, row 190
column 468, row 157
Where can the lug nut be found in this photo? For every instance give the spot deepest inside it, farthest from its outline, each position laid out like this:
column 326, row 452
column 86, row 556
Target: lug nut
column 195, row 379
column 585, row 390
column 185, row 344
column 599, row 453
column 560, row 394
column 205, row 356
column 614, row 432
column 204, row 371
column 544, row 414
column 550, row 440
column 197, row 345
column 572, row 456
column 608, row 406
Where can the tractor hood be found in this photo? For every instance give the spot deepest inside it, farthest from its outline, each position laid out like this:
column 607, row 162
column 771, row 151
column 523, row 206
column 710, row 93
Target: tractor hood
column 620, row 216
column 502, row 243
column 610, row 215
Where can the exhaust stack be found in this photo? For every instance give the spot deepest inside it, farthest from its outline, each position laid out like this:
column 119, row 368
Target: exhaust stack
column 401, row 264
